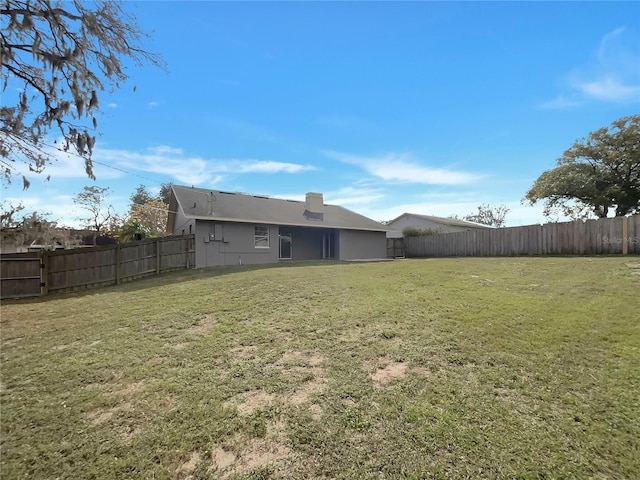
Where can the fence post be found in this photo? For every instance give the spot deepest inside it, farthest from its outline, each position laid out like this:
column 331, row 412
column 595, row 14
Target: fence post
column 186, row 252
column 44, row 273
column 118, row 271
column 157, row 255
column 625, row 235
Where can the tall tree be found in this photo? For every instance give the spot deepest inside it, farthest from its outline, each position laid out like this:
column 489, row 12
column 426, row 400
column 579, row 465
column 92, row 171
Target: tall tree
column 94, row 200
column 141, row 196
column 151, row 217
column 595, row 175
column 165, row 192
column 487, row 215
column 60, row 55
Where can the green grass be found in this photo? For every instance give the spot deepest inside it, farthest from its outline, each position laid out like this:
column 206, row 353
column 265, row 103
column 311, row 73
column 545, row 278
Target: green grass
column 513, row 368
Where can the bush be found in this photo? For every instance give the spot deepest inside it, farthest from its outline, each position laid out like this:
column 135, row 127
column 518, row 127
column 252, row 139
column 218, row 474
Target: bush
column 417, row 232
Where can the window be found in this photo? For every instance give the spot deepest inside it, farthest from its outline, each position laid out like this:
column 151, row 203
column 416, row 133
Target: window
column 261, row 237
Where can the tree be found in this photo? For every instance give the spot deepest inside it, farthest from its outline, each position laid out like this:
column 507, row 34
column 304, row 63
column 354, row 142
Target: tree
column 165, row 192
column 595, row 175
column 93, row 199
column 132, row 230
column 151, row 217
column 60, row 54
column 487, row 215
column 8, row 218
column 140, row 196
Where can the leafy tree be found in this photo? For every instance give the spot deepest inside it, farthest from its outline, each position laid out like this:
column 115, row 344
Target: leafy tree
column 35, row 228
column 60, row 54
column 114, row 225
column 487, row 215
column 94, row 199
column 141, row 196
column 151, row 216
column 165, row 192
column 597, row 174
column 9, row 216
column 132, row 230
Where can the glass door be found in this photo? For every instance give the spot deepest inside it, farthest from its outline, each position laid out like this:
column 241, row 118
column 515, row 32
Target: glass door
column 285, row 246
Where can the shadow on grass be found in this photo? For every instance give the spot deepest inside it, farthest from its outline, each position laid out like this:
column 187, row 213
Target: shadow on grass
column 177, row 276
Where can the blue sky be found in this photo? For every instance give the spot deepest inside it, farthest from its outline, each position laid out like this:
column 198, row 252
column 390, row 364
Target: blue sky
column 384, row 107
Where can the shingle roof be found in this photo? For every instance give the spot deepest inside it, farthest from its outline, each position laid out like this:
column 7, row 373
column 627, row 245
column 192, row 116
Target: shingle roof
column 204, row 204
column 442, row 220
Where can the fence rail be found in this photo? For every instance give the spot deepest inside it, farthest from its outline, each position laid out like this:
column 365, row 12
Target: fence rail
column 619, row 235
column 40, row 273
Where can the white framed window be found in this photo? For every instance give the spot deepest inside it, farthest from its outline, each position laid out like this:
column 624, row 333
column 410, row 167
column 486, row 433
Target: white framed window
column 261, row 237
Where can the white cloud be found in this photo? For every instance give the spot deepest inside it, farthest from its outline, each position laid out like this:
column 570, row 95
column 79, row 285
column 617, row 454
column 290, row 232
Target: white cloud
column 611, row 75
column 112, row 105
column 609, row 89
column 166, row 149
column 561, row 102
column 68, row 165
column 190, row 169
column 401, row 167
column 353, row 196
column 153, row 104
column 262, row 166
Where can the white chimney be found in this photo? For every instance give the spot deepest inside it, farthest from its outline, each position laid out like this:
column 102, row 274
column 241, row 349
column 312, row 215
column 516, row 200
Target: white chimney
column 315, row 203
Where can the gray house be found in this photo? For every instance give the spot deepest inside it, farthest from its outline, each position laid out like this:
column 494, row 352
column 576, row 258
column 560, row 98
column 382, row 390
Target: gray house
column 437, row 224
column 233, row 228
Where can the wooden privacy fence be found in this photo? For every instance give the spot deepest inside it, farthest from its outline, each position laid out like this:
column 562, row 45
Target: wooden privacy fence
column 39, row 273
column 395, row 248
column 619, row 235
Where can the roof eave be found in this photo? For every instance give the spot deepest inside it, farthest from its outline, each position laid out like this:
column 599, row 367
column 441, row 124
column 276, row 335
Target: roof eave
column 286, row 224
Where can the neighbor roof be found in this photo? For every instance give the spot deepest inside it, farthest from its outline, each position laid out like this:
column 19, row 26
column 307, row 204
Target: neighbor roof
column 442, row 220
column 204, row 204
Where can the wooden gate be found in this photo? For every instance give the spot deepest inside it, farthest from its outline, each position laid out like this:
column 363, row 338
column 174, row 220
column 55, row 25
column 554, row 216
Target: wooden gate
column 395, row 248
column 21, row 275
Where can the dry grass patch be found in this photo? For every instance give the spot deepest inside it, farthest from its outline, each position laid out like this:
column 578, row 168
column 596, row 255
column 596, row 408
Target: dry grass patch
column 244, row 352
column 202, row 326
column 186, row 469
column 239, row 455
column 385, row 371
column 307, row 370
column 248, row 402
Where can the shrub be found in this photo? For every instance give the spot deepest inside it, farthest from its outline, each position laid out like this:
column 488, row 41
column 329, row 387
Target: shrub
column 417, row 232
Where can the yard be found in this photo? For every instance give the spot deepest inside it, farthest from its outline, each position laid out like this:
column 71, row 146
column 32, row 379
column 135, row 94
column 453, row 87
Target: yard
column 505, row 368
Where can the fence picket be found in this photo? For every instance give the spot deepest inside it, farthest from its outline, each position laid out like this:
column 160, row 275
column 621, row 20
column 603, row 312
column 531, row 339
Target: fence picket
column 592, row 237
column 70, row 270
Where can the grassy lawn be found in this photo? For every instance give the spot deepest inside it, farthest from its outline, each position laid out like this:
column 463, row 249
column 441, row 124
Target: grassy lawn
column 524, row 368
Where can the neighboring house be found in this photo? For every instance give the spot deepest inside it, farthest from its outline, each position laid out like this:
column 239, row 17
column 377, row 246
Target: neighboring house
column 428, row 222
column 234, row 228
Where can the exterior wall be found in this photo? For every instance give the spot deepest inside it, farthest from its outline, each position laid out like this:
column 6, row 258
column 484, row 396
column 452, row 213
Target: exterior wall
column 232, row 244
column 219, row 243
column 306, row 243
column 357, row 245
column 421, row 223
column 182, row 225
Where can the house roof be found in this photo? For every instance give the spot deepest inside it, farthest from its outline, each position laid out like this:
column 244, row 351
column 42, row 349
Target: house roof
column 205, row 204
column 444, row 221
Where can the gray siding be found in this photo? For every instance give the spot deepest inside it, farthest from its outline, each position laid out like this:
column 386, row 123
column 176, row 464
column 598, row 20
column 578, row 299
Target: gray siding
column 183, row 225
column 357, row 245
column 232, row 244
